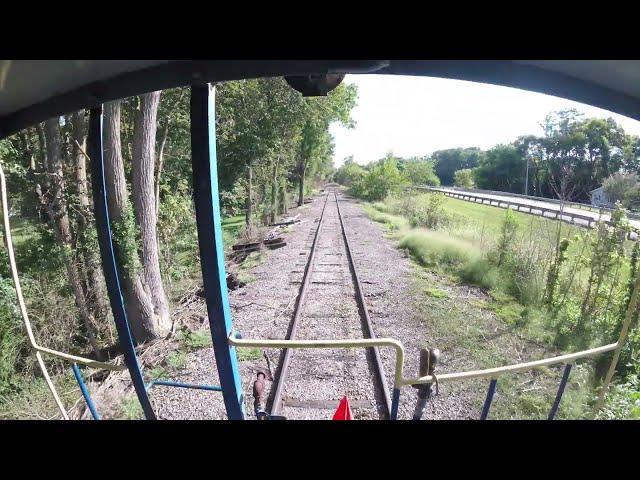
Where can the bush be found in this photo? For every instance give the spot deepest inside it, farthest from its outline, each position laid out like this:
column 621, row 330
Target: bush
column 11, row 336
column 429, row 214
column 349, row 173
column 436, row 249
column 623, row 401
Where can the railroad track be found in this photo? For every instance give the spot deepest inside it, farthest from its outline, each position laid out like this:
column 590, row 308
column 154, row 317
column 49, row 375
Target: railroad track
column 309, row 384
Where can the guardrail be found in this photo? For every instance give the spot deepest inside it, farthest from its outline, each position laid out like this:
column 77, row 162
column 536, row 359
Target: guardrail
column 583, row 206
column 565, row 216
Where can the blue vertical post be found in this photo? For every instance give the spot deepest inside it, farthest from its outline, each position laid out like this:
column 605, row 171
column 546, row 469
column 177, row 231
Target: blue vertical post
column 563, row 384
column 489, row 399
column 107, row 254
column 395, row 403
column 85, row 392
column 207, row 205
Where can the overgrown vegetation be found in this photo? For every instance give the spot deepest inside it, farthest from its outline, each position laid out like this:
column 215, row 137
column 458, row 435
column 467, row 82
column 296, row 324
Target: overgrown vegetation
column 551, row 282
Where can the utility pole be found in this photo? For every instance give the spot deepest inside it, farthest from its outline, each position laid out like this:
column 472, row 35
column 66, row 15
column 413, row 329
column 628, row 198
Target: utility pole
column 526, row 179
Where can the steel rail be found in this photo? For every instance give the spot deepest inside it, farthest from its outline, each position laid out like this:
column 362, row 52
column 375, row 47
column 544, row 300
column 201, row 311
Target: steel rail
column 364, row 311
column 283, row 368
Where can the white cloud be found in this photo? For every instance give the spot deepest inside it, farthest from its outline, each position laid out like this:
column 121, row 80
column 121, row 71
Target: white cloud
column 419, row 115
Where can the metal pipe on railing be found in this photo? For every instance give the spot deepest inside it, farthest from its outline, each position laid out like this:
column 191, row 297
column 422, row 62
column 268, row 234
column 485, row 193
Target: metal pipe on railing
column 518, row 367
column 85, row 392
column 237, row 341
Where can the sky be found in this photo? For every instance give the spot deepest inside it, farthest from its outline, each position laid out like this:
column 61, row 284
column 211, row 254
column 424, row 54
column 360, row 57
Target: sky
column 415, row 116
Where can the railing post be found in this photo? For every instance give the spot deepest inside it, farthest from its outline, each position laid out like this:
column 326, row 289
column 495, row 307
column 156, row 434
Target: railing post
column 563, row 384
column 489, row 399
column 85, row 392
column 395, row 402
column 207, row 206
column 107, row 255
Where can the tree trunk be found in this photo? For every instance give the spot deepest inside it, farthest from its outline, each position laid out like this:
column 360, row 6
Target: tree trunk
column 163, row 142
column 59, row 217
column 301, row 185
column 249, row 210
column 94, row 285
column 138, row 302
column 143, row 179
column 274, row 191
column 284, row 201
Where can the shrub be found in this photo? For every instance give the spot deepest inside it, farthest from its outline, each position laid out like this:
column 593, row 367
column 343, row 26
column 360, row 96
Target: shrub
column 623, row 401
column 11, row 336
column 620, row 187
column 430, row 213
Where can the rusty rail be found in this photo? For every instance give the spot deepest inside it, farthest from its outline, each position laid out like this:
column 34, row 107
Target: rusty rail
column 285, row 358
column 364, row 312
column 276, row 402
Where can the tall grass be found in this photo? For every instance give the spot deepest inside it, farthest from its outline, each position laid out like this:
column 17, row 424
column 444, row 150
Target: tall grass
column 437, row 249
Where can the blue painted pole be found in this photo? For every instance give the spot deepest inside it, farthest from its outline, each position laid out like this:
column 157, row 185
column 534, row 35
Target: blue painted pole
column 563, row 384
column 207, row 205
column 168, row 383
column 85, row 392
column 489, row 399
column 395, row 402
column 107, row 254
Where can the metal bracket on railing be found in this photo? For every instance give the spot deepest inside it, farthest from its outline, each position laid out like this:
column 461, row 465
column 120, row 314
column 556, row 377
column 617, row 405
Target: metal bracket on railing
column 259, row 403
column 429, row 358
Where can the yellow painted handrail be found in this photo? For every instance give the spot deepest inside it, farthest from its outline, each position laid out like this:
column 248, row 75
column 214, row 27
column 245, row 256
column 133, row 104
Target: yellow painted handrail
column 517, row 367
column 399, row 380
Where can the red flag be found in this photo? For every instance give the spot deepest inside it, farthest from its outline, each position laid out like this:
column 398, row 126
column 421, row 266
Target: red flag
column 344, row 410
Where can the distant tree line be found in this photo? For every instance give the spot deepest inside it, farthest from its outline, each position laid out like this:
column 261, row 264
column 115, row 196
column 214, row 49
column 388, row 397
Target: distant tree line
column 573, row 157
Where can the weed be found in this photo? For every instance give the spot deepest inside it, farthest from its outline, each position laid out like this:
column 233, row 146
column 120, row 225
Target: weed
column 436, row 293
column 177, row 360
column 130, row 408
column 250, row 354
column 195, row 340
column 481, row 273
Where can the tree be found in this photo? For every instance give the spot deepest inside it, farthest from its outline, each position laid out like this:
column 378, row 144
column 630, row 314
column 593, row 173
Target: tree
column 318, row 115
column 147, row 319
column 382, row 178
column 502, row 168
column 464, row 178
column 621, row 187
column 349, row 172
column 448, row 161
column 419, row 171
